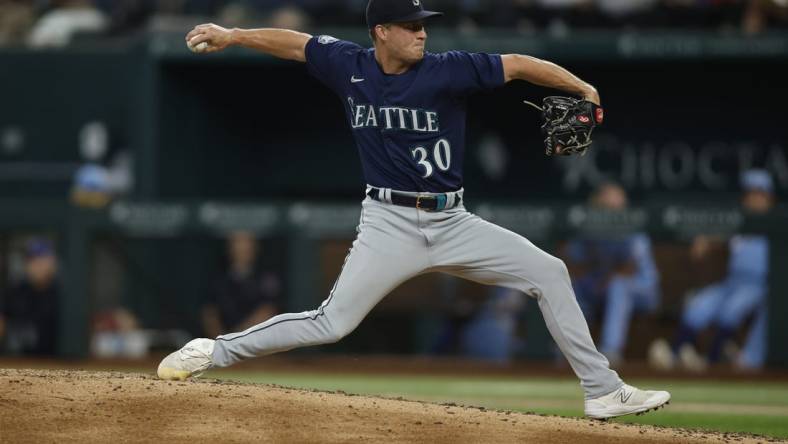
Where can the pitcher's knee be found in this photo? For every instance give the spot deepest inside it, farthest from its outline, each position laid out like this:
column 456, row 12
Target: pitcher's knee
column 337, row 329
column 552, row 275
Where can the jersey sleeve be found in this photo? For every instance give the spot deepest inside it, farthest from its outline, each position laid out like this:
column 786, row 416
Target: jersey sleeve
column 470, row 72
column 330, row 59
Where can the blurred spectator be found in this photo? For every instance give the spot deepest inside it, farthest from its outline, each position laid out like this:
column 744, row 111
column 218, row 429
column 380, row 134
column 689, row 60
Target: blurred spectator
column 190, row 7
column 29, row 312
column 759, row 14
column 94, row 183
column 289, row 17
column 116, row 333
column 492, row 332
column 241, row 15
column 615, row 276
column 727, row 304
column 126, row 15
column 16, row 19
column 625, row 8
column 556, row 17
column 559, row 16
column 720, row 14
column 58, row 26
column 459, row 309
column 245, row 295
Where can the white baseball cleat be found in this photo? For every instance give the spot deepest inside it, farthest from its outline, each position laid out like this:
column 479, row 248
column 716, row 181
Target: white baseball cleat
column 625, row 401
column 191, row 360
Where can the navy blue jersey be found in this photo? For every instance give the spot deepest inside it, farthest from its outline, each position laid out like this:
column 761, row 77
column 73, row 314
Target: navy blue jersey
column 409, row 128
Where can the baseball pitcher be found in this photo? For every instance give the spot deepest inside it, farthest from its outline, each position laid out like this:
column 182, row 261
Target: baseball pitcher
column 406, row 108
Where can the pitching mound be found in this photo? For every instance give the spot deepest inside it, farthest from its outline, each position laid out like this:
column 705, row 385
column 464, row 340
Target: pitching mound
column 79, row 406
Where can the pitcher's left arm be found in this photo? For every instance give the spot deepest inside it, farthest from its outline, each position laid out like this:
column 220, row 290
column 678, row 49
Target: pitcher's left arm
column 544, row 73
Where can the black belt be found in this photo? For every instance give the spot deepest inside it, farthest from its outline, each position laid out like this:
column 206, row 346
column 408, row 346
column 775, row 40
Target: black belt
column 435, row 202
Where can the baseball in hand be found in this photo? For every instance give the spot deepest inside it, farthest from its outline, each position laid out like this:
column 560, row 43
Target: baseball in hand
column 200, row 47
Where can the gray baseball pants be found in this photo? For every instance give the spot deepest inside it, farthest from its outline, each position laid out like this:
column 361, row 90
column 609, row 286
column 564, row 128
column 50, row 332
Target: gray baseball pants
column 397, row 243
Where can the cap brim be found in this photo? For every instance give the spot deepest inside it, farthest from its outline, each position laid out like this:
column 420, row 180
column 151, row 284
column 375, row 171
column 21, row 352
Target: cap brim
column 416, row 16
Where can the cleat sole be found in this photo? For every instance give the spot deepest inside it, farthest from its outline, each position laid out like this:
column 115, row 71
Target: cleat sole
column 171, row 374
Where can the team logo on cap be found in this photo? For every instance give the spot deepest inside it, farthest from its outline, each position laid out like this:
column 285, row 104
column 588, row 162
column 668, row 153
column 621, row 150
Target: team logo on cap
column 416, row 2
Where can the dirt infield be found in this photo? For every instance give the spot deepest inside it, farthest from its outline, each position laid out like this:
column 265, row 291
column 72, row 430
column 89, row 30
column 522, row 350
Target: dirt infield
column 81, row 406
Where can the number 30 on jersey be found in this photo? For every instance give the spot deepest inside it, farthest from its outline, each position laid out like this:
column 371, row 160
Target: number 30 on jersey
column 441, row 157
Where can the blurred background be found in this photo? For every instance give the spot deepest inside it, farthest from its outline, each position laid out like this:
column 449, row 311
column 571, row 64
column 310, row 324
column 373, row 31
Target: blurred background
column 149, row 195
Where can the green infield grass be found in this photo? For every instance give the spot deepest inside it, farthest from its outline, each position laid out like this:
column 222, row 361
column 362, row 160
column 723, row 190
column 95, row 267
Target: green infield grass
column 751, row 407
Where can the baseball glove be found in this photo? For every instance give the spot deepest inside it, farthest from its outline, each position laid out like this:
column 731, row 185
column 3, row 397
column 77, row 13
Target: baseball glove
column 568, row 124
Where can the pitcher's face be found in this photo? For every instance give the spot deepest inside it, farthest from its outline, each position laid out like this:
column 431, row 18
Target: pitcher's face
column 406, row 40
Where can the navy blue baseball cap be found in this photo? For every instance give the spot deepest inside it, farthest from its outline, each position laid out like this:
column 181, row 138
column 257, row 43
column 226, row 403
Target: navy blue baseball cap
column 38, row 247
column 396, row 11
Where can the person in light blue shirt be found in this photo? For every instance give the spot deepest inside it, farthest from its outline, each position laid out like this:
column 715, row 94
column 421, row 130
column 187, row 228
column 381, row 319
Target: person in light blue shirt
column 726, row 305
column 617, row 276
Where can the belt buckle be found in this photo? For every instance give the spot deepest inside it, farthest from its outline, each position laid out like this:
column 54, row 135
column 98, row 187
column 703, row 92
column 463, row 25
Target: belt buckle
column 418, row 202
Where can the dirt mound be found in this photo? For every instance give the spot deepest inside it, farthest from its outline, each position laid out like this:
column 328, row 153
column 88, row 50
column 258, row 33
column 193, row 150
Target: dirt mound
column 80, row 406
